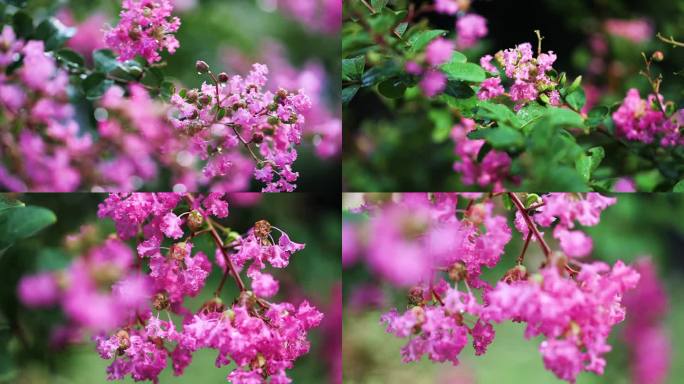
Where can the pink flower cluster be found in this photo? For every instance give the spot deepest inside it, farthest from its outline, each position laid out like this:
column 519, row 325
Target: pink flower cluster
column 642, row 120
column 645, row 333
column 470, row 27
column 41, row 146
column 574, row 315
column 637, row 30
column 529, row 75
column 562, row 211
column 492, row 170
column 323, row 124
column 433, row 81
column 106, row 292
column 235, row 113
column 425, row 242
column 145, row 28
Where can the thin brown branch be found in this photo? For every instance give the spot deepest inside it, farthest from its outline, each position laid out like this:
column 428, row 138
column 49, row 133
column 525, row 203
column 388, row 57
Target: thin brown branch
column 530, row 224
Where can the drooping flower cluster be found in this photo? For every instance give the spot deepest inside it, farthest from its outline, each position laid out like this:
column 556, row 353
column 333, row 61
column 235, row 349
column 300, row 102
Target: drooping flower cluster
column 645, row 333
column 145, row 28
column 562, row 211
column 107, row 292
column 643, row 120
column 40, row 143
column 235, row 113
column 323, row 124
column 492, row 170
column 424, row 241
column 528, row 74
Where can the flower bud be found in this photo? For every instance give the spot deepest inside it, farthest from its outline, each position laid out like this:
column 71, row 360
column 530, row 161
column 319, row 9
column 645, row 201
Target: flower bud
column 213, row 305
column 262, row 229
column 247, row 299
column 205, row 99
column 192, row 96
column 178, row 251
column 458, row 271
column 273, row 120
column 124, row 341
column 415, row 296
column 195, row 220
column 517, row 273
column 201, row 67
column 223, row 77
column 658, row 56
column 160, row 301
column 257, row 138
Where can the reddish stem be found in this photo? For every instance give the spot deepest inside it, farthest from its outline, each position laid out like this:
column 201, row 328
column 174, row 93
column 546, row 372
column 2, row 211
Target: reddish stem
column 521, row 258
column 530, row 224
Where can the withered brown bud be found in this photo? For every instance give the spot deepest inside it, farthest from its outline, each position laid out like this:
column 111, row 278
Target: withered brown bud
column 178, row 251
column 124, row 341
column 201, row 66
column 415, row 296
column 262, row 229
column 517, row 273
column 160, row 301
column 258, row 138
column 247, row 299
column 223, row 77
column 195, row 220
column 458, row 271
column 192, row 96
column 213, row 305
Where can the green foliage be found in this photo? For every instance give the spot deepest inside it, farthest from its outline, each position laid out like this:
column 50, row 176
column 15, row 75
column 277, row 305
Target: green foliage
column 18, row 221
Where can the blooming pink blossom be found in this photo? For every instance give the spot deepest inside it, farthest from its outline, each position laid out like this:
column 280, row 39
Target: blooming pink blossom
column 469, row 30
column 641, row 120
column 433, row 82
column 39, row 290
column 449, row 7
column 145, row 28
column 439, row 51
column 637, row 30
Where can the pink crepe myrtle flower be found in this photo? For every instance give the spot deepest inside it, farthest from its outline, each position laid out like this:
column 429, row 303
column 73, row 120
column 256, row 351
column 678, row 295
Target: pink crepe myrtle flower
column 439, row 51
column 636, row 31
column 469, row 30
column 145, row 28
column 433, row 82
column 529, row 75
column 641, row 120
column 449, row 7
column 39, row 290
column 490, row 89
column 118, row 297
column 492, row 170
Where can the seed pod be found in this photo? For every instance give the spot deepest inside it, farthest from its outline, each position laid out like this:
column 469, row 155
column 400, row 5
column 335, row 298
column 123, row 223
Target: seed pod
column 195, row 220
column 201, row 67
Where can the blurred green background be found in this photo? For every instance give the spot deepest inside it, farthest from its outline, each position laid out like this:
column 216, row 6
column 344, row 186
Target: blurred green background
column 638, row 225
column 313, row 274
column 209, row 29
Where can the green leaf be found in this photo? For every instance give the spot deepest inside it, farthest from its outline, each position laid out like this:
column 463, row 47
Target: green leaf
column 420, row 40
column 497, row 112
column 464, row 71
column 105, row 60
column 564, row 117
column 679, row 187
column 352, row 69
column 588, row 162
column 70, row 58
column 166, row 90
column 401, row 29
column 349, row 92
column 22, row 24
column 379, row 73
column 458, row 57
column 442, row 120
column 576, row 99
column 596, row 116
column 7, row 203
column 502, row 137
column 20, row 223
column 459, row 90
column 54, row 33
column 95, row 85
column 153, row 77
column 392, row 88
column 378, row 5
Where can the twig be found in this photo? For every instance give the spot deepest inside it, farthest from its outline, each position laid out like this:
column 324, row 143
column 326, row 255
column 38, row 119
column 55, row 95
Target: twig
column 530, row 224
column 670, row 40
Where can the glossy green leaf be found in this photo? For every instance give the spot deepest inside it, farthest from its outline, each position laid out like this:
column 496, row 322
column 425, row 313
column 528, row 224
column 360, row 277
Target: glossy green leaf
column 588, row 162
column 105, row 60
column 54, row 33
column 443, row 122
column 22, row 24
column 352, row 69
column 70, row 58
column 502, row 137
column 464, row 71
column 420, row 40
column 95, row 85
column 392, row 88
column 20, row 223
column 679, row 187
column 349, row 92
column 577, row 99
column 378, row 5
